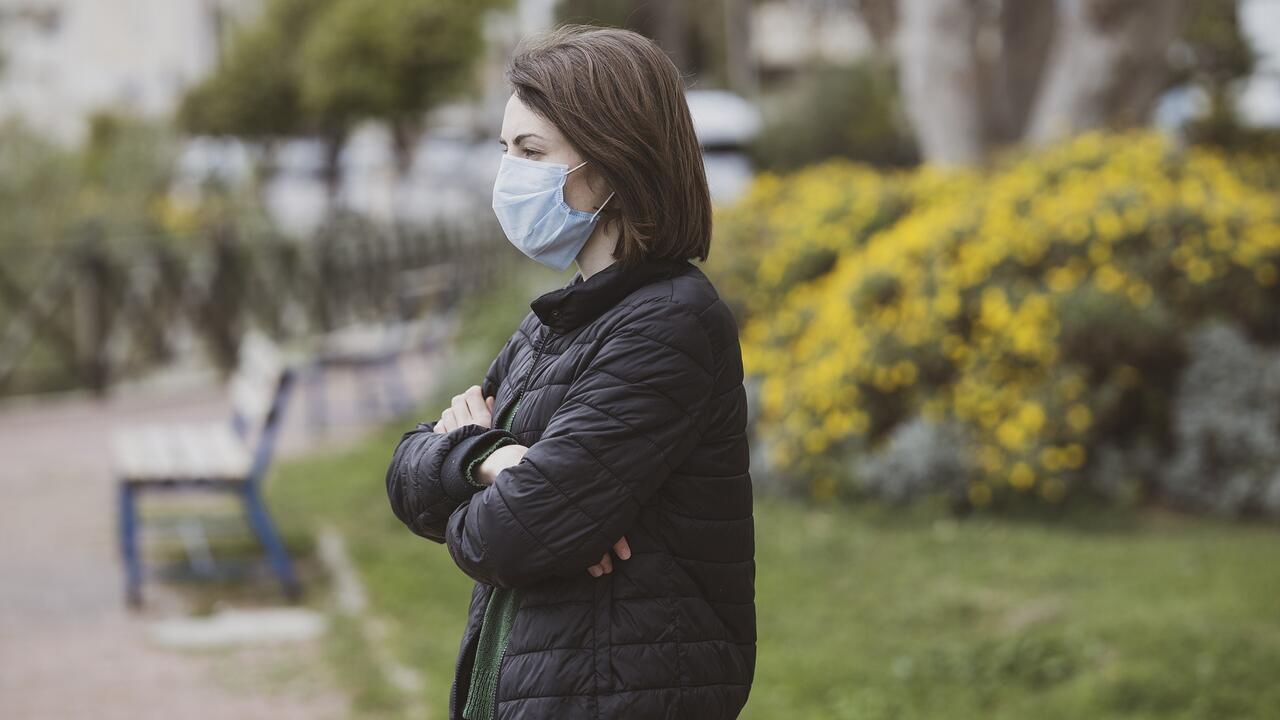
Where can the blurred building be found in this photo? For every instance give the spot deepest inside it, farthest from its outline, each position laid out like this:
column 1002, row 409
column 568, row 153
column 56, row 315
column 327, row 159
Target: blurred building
column 66, row 59
column 1260, row 95
column 787, row 35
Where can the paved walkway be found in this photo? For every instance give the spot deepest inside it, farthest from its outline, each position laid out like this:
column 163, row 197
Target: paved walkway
column 68, row 647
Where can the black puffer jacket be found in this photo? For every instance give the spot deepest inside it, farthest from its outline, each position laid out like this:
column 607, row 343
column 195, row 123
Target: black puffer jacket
column 633, row 410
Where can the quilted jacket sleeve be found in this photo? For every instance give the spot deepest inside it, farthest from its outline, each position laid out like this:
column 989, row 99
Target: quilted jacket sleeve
column 629, row 418
column 428, row 474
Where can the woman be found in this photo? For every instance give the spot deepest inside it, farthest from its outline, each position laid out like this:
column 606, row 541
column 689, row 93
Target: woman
column 620, row 418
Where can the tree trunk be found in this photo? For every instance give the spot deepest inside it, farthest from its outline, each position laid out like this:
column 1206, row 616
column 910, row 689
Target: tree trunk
column 940, row 77
column 404, row 137
column 1107, row 65
column 333, row 142
column 266, row 163
column 976, row 74
column 739, row 69
column 667, row 22
column 1024, row 33
column 881, row 19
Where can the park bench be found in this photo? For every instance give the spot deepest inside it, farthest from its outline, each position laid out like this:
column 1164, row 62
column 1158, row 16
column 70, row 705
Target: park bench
column 217, row 456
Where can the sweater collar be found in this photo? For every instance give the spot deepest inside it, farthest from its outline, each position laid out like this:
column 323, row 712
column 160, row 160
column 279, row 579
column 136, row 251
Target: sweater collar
column 582, row 301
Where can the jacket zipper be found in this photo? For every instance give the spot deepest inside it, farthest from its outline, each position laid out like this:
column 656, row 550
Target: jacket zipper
column 457, row 671
column 493, row 703
column 502, row 656
column 527, row 378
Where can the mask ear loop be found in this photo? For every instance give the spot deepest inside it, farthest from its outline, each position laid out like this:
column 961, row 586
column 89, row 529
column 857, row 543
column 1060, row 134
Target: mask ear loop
column 597, row 212
column 606, row 200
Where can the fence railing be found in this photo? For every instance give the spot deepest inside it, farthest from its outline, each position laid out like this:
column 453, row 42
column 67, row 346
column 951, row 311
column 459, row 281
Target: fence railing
column 84, row 314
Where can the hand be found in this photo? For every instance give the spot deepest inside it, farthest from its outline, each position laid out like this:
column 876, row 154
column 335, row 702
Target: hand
column 606, row 563
column 468, row 408
column 497, row 461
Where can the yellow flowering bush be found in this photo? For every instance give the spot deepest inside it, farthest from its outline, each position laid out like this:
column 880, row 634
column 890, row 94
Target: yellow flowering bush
column 790, row 229
column 1039, row 307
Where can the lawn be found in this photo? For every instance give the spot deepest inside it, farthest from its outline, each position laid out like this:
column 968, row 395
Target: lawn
column 864, row 614
column 872, row 613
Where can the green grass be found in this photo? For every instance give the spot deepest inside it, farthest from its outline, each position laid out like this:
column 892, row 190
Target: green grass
column 868, row 613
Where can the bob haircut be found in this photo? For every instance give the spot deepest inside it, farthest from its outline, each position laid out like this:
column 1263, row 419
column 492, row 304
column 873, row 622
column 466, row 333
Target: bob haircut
column 619, row 100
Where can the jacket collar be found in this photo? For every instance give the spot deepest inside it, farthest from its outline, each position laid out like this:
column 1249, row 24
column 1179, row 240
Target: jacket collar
column 582, row 301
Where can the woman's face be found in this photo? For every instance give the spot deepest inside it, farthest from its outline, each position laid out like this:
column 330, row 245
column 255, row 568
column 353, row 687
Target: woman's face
column 526, row 134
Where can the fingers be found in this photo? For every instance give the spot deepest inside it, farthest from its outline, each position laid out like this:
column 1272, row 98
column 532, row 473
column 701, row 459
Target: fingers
column 622, row 548
column 606, row 563
column 604, row 566
column 461, row 413
column 478, row 406
column 469, row 408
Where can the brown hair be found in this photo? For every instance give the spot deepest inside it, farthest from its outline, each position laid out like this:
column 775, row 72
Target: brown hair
column 619, row 100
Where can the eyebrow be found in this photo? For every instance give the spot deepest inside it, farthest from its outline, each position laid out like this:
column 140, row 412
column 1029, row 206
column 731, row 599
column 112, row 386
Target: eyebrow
column 520, row 137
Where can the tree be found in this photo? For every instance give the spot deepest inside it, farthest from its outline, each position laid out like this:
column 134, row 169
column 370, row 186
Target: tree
column 1213, row 56
column 389, row 60
column 319, row 67
column 255, row 93
column 975, row 75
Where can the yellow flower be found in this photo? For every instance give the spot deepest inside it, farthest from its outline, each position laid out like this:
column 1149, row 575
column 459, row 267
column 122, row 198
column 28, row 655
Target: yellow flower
column 1011, row 435
column 990, row 458
column 1053, row 489
column 823, row 487
column 1108, row 278
column 969, row 269
column 1032, row 416
column 1063, row 279
column 979, row 494
column 1051, row 458
column 1079, row 417
column 1022, row 476
column 1140, row 294
column 1073, row 455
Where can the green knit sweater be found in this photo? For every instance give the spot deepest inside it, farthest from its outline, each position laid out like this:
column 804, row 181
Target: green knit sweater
column 499, row 615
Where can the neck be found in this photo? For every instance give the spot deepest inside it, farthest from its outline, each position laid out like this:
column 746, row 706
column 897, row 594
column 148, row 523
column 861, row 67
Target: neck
column 597, row 253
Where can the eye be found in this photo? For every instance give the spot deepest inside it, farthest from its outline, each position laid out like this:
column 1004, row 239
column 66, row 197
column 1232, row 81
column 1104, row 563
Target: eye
column 529, row 152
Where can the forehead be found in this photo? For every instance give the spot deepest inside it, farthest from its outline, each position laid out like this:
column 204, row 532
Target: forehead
column 519, row 119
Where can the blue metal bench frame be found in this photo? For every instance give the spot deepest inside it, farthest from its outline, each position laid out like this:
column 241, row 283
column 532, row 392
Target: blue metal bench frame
column 248, row 488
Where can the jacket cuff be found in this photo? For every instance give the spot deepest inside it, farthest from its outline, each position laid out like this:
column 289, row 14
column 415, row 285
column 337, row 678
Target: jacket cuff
column 453, row 475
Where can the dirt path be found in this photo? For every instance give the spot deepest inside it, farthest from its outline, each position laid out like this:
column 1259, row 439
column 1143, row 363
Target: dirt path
column 68, row 647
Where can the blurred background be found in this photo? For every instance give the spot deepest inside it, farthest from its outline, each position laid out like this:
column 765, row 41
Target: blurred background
column 1007, row 278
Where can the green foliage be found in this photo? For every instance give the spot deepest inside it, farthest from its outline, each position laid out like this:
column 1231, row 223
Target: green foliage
column 114, row 185
column 389, row 59
column 33, row 168
column 256, row 90
column 615, row 13
column 833, row 111
column 1211, row 48
column 320, row 67
column 1214, row 55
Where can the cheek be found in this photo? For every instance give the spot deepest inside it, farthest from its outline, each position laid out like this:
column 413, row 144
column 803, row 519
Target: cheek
column 577, row 194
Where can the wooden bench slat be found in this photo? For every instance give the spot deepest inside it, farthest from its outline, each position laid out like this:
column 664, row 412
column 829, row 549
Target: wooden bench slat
column 159, row 452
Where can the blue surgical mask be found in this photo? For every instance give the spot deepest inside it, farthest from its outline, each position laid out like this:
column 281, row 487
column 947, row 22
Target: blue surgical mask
column 528, row 198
